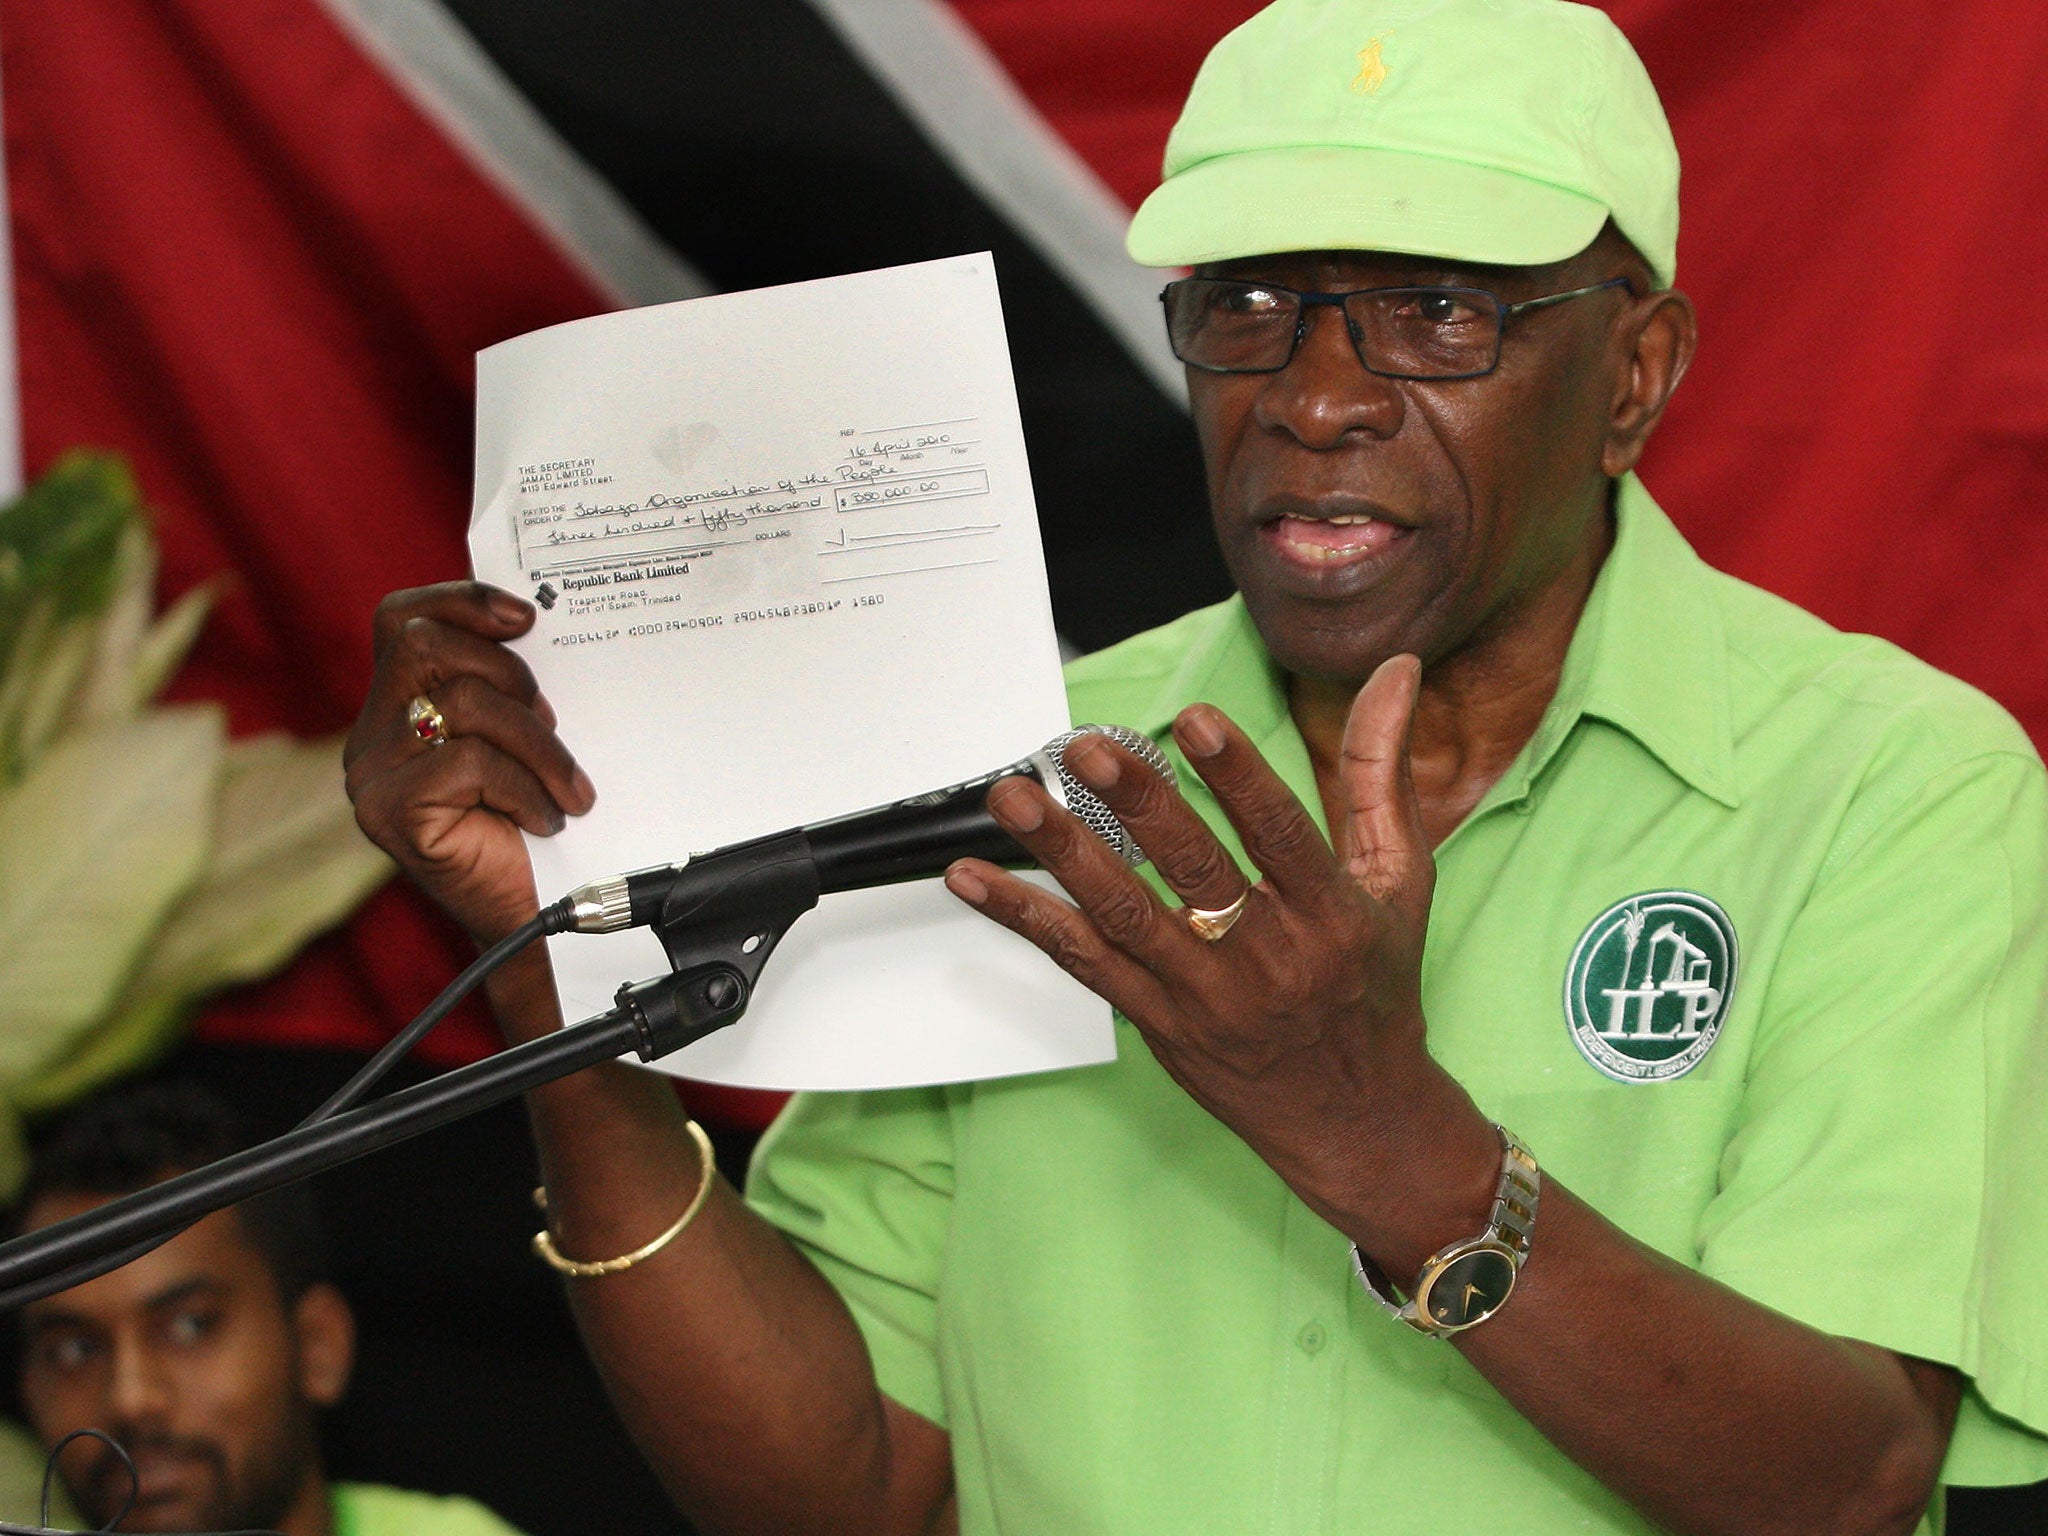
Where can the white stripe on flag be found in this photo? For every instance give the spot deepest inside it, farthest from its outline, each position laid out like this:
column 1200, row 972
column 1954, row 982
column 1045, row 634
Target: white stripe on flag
column 972, row 112
column 448, row 75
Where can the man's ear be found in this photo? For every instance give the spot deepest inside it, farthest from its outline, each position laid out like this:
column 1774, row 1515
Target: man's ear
column 1661, row 335
column 326, row 1330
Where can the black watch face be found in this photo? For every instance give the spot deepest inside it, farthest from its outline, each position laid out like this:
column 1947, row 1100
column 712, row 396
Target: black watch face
column 1470, row 1288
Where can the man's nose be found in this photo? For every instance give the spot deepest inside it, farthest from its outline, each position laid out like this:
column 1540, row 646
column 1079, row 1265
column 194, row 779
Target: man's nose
column 1325, row 393
column 137, row 1389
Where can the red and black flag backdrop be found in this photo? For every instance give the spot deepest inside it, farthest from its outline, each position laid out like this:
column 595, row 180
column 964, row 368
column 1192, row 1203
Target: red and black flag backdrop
column 256, row 242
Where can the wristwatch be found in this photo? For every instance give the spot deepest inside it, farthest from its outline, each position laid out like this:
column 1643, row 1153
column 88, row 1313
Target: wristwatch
column 1464, row 1284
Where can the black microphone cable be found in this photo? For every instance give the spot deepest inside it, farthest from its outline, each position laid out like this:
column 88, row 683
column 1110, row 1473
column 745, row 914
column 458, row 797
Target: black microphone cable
column 557, row 917
column 8, row 1528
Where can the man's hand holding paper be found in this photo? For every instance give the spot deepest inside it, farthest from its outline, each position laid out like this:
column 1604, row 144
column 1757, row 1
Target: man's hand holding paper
column 451, row 810
column 773, row 558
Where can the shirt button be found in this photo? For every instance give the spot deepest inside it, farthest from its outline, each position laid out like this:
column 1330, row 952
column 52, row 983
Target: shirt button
column 1311, row 1339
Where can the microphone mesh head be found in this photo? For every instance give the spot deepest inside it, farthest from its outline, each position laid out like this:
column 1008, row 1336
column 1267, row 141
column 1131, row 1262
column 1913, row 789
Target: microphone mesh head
column 1083, row 801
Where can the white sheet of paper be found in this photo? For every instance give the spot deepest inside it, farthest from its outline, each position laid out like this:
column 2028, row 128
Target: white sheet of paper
column 788, row 565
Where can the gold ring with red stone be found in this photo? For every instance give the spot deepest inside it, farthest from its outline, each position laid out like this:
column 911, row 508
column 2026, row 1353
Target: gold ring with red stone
column 427, row 722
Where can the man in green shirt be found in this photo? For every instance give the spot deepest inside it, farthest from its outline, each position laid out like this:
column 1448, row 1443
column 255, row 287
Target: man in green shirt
column 1585, row 958
column 208, row 1359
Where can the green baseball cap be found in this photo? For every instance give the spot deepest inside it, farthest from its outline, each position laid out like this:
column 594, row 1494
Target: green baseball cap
column 1495, row 131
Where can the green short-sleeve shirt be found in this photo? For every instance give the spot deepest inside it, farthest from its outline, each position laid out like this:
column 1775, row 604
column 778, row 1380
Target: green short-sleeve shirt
column 370, row 1509
column 1750, row 946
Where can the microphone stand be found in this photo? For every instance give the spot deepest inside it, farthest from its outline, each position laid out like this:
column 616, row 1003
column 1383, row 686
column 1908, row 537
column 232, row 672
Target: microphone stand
column 719, row 922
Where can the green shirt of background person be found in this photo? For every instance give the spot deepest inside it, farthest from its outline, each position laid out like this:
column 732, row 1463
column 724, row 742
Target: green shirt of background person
column 1415, row 551
column 209, row 1359
column 368, row 1509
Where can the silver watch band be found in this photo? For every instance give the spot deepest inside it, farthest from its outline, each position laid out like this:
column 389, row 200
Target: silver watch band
column 1514, row 1199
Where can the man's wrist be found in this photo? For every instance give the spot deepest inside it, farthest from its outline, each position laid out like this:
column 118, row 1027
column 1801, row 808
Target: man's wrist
column 1431, row 1178
column 522, row 995
column 1467, row 1281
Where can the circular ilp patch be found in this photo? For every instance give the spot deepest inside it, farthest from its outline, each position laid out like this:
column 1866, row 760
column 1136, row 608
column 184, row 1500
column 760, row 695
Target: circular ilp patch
column 1649, row 984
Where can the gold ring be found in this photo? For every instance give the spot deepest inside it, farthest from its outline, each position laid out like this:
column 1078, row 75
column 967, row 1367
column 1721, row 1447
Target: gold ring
column 1211, row 923
column 427, row 722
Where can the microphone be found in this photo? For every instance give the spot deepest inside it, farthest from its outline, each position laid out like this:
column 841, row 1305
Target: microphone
column 906, row 840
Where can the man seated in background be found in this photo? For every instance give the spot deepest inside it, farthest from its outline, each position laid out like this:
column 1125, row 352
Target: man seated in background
column 209, row 1359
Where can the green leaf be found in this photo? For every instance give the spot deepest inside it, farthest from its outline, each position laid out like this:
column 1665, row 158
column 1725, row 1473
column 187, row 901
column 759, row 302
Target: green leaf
column 134, row 655
column 118, row 631
column 164, row 647
column 54, row 655
column 148, row 862
column 66, row 530
column 13, row 1159
column 72, row 547
column 21, row 1482
column 104, row 835
column 120, row 1045
column 289, row 861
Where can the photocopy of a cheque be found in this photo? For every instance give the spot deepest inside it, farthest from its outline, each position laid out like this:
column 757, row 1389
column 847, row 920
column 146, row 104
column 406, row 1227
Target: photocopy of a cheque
column 787, row 565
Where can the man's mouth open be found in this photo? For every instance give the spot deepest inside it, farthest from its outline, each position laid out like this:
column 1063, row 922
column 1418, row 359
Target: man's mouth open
column 1323, row 542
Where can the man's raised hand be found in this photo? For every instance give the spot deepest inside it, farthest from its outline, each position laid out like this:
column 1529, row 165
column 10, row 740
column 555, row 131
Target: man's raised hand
column 1307, row 1014
column 451, row 814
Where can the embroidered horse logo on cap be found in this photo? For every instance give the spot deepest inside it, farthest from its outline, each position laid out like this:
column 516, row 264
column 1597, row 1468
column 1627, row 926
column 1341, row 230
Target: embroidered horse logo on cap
column 1372, row 68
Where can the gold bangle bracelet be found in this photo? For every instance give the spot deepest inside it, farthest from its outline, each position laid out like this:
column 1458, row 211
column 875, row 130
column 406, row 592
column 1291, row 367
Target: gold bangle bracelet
column 544, row 1240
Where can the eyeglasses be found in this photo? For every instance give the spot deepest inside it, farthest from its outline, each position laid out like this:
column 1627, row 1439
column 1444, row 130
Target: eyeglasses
column 1226, row 325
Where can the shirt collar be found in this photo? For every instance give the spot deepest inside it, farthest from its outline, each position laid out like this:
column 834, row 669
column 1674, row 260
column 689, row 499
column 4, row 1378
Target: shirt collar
column 1649, row 657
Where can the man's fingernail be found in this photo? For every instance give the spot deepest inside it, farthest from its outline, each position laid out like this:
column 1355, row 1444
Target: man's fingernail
column 509, row 609
column 1406, row 669
column 1201, row 733
column 546, row 711
column 965, row 884
column 1092, row 762
column 1016, row 807
column 586, row 790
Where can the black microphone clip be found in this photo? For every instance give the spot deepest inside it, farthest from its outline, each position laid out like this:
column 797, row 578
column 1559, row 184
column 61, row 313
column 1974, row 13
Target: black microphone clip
column 720, row 914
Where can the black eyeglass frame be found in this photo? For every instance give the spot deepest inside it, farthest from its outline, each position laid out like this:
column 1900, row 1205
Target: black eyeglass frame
column 1309, row 299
